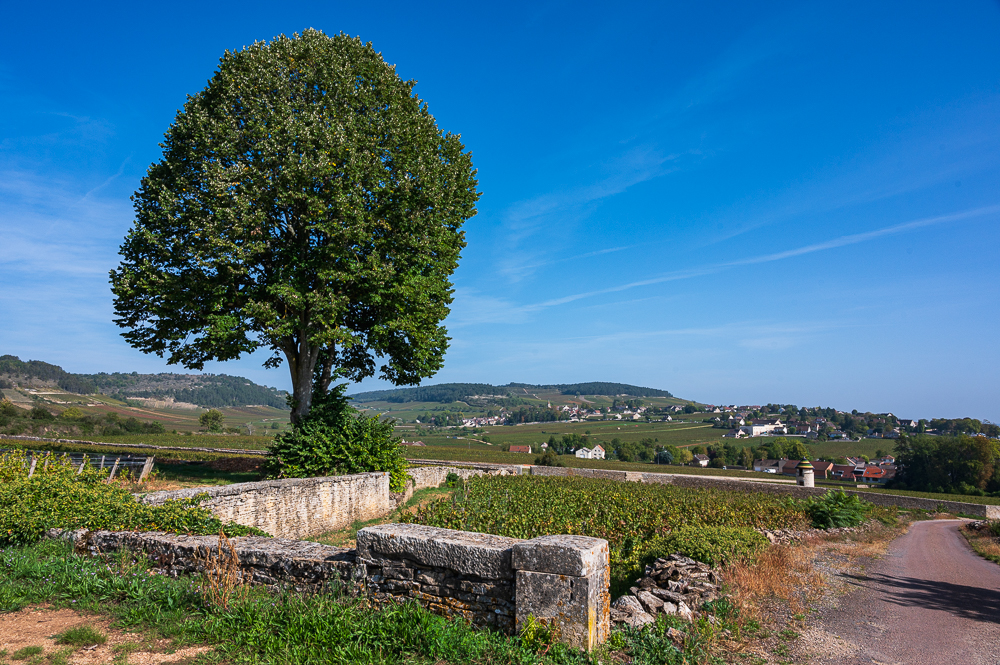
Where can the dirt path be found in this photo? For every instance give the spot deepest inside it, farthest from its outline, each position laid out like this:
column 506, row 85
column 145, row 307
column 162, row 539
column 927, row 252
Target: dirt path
column 930, row 599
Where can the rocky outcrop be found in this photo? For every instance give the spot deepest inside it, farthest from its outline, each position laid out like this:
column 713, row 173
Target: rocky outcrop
column 676, row 585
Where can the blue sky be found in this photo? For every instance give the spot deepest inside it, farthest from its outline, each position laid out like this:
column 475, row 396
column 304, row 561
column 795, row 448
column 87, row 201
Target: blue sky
column 737, row 202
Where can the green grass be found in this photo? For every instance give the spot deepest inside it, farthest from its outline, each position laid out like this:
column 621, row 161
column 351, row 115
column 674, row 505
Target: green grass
column 203, row 474
column 305, row 628
column 83, row 636
column 26, row 652
column 841, row 448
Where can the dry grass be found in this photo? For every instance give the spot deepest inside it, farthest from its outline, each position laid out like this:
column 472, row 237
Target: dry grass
column 780, row 573
column 984, row 543
column 224, row 578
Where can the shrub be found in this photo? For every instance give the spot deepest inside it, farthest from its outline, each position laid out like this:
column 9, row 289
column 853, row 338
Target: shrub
column 56, row 497
column 548, row 458
column 709, row 544
column 40, row 413
column 335, row 439
column 72, row 413
column 836, row 509
column 7, row 408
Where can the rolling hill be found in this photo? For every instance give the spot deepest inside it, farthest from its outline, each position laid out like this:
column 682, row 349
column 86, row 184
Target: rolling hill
column 453, row 392
column 204, row 390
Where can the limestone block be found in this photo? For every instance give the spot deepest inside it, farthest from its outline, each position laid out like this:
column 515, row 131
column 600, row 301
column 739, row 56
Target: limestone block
column 650, row 602
column 577, row 607
column 561, row 555
column 475, row 554
column 639, row 620
column 627, row 604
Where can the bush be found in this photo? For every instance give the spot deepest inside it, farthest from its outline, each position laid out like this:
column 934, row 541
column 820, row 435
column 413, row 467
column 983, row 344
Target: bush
column 836, row 509
column 56, row 497
column 7, row 408
column 40, row 413
column 334, row 440
column 548, row 458
column 709, row 544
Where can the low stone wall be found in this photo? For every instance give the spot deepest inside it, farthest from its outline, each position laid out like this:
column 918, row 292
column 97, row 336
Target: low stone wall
column 275, row 562
column 489, row 580
column 294, row 507
column 304, row 507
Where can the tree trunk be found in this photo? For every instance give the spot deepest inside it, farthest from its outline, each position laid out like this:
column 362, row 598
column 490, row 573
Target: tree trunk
column 301, row 358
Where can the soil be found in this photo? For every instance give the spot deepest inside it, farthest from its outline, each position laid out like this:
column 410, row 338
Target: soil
column 40, row 625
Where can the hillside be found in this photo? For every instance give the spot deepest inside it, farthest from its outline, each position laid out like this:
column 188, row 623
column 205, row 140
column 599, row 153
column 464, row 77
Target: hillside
column 204, row 390
column 454, row 392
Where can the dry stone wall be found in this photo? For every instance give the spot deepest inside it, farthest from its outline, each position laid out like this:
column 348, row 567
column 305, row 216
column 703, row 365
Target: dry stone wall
column 294, row 507
column 492, row 581
column 304, row 507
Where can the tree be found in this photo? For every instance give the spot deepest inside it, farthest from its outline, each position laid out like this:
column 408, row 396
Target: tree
column 211, row 420
column 795, row 449
column 306, row 203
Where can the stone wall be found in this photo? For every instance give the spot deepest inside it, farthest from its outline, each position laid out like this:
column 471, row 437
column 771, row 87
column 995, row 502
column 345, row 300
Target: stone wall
column 491, row 581
column 455, row 573
column 275, row 562
column 294, row 507
column 304, row 507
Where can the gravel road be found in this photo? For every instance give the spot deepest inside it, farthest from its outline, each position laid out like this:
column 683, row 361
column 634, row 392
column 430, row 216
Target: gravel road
column 930, row 599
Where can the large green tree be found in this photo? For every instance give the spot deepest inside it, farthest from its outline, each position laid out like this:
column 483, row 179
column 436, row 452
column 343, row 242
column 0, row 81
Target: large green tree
column 306, row 203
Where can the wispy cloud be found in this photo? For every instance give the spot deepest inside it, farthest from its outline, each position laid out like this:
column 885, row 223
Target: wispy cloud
column 834, row 243
column 856, row 238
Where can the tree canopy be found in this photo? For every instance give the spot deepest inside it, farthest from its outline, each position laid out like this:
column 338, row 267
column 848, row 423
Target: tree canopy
column 306, row 203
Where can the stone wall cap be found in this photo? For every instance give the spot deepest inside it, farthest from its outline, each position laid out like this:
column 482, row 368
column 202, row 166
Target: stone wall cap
column 236, row 489
column 467, row 553
column 579, row 556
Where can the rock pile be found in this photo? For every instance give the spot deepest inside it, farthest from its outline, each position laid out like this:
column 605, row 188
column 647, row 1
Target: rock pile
column 675, row 585
column 980, row 525
column 793, row 536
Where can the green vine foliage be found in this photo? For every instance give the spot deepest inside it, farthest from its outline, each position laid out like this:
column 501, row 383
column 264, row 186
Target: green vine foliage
column 336, row 439
column 837, row 509
column 57, row 497
column 709, row 544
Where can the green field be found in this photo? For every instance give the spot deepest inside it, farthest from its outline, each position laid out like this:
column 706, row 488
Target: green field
column 601, row 432
column 409, row 411
column 851, row 448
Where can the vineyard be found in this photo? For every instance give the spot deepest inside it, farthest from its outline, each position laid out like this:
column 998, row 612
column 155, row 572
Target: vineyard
column 633, row 517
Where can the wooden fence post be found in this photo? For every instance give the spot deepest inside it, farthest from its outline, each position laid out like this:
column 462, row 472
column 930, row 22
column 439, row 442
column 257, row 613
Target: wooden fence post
column 146, row 468
column 31, row 471
column 114, row 468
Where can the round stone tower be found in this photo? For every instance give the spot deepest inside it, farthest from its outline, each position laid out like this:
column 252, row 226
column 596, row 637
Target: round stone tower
column 805, row 474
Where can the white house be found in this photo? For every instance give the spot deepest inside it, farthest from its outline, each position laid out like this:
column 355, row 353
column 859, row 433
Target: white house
column 762, row 427
column 700, row 460
column 590, row 453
